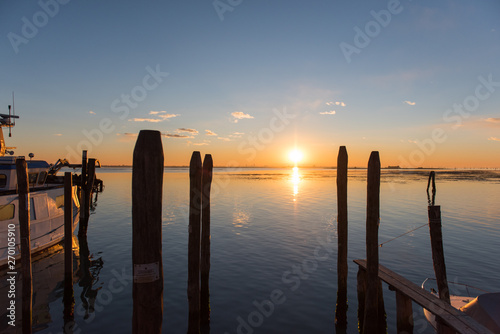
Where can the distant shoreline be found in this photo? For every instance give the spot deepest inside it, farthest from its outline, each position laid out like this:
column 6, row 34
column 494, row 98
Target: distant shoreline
column 319, row 167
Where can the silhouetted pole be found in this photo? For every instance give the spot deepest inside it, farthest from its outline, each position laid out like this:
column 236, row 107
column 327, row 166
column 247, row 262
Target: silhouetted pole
column 341, row 310
column 82, row 229
column 147, row 188
column 372, row 316
column 205, row 240
column 69, row 299
column 24, row 227
column 193, row 292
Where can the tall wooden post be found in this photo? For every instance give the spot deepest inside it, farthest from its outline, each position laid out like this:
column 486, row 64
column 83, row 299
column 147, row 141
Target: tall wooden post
column 205, row 240
column 147, row 188
column 193, row 292
column 372, row 316
column 24, row 226
column 82, row 229
column 341, row 309
column 68, row 299
column 90, row 184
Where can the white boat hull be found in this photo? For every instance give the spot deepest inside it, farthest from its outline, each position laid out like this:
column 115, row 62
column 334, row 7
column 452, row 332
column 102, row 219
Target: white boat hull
column 46, row 222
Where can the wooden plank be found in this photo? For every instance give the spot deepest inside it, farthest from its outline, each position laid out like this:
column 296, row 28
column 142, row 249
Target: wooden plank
column 456, row 319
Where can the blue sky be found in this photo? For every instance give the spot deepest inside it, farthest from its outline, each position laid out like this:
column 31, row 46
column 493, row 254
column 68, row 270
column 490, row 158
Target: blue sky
column 235, row 66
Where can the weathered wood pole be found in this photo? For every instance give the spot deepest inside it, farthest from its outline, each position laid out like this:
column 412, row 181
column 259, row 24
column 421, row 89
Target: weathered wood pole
column 24, row 227
column 205, row 240
column 372, row 316
column 147, row 188
column 193, row 291
column 90, row 184
column 341, row 309
column 361, row 291
column 68, row 299
column 404, row 321
column 434, row 214
column 82, row 228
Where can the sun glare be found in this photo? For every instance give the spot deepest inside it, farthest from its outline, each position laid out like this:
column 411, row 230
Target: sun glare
column 295, row 156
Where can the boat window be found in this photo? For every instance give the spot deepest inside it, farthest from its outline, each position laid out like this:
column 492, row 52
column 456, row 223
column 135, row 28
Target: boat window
column 42, row 177
column 3, row 180
column 7, row 212
column 60, row 201
column 32, row 177
column 32, row 209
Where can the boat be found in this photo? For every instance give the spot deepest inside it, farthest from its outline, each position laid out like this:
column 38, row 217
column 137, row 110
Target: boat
column 46, row 200
column 482, row 306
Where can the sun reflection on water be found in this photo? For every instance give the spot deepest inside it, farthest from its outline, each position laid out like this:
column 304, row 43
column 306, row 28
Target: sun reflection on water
column 296, row 179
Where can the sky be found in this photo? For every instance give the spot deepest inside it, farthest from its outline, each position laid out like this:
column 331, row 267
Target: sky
column 249, row 81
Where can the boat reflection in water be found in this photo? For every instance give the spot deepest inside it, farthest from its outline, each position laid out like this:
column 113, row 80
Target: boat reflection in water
column 48, row 285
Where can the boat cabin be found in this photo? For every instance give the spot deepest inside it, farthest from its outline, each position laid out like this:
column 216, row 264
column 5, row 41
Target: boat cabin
column 37, row 173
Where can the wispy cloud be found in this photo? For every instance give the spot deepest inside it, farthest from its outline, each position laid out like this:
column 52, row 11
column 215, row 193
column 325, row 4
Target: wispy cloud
column 58, row 134
column 494, row 138
column 335, row 103
column 224, row 138
column 236, row 134
column 175, row 135
column 127, row 136
column 239, row 115
column 163, row 116
column 193, row 131
column 493, row 120
column 210, row 133
column 409, row 103
column 200, row 144
column 331, row 112
column 91, row 112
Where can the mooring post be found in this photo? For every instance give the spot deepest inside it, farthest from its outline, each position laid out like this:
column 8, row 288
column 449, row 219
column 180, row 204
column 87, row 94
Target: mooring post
column 68, row 298
column 24, row 227
column 147, row 188
column 404, row 316
column 193, row 292
column 205, row 240
column 90, row 184
column 361, row 291
column 82, row 229
column 373, row 318
column 341, row 309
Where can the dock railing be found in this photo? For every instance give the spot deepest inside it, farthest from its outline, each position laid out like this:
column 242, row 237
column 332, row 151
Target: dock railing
column 407, row 291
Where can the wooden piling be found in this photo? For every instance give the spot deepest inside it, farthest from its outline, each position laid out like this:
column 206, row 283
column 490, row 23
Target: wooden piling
column 342, row 269
column 147, row 188
column 82, row 226
column 90, row 184
column 404, row 316
column 68, row 299
column 193, row 292
column 24, row 227
column 205, row 240
column 372, row 318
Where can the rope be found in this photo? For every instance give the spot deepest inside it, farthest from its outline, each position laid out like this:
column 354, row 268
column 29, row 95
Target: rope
column 399, row 236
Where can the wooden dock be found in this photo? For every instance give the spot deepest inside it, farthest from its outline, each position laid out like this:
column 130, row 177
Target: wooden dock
column 456, row 319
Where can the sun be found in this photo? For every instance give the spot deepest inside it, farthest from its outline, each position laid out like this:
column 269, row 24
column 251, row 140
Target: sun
column 295, row 156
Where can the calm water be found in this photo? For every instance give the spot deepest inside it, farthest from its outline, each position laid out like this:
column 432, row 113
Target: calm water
column 265, row 224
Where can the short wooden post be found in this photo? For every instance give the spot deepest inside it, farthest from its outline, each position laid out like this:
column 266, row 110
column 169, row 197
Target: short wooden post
column 434, row 214
column 193, row 292
column 24, row 226
column 372, row 316
column 404, row 313
column 341, row 309
column 205, row 240
column 82, row 228
column 68, row 299
column 90, row 184
column 147, row 189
